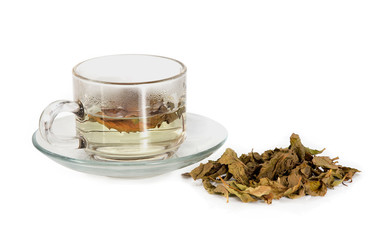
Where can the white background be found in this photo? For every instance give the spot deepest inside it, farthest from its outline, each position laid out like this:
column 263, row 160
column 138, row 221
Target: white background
column 264, row 69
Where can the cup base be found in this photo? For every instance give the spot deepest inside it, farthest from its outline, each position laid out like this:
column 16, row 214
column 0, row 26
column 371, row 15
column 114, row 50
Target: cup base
column 132, row 157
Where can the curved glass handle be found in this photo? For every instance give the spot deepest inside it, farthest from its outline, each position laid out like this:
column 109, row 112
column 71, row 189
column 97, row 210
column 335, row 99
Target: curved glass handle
column 48, row 116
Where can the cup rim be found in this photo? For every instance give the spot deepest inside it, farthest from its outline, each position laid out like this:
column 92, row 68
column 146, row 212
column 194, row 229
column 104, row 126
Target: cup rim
column 182, row 72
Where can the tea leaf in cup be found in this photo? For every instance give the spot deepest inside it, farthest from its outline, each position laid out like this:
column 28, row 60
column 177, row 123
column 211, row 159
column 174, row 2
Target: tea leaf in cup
column 128, row 121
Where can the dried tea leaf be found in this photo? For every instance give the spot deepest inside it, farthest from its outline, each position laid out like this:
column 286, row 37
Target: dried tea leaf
column 313, row 151
column 238, row 171
column 187, row 175
column 349, row 172
column 339, row 173
column 297, row 147
column 283, row 180
column 328, row 179
column 268, row 198
column 208, row 186
column 305, row 170
column 290, row 172
column 219, row 171
column 256, row 157
column 267, row 155
column 237, row 186
column 337, row 181
column 228, row 176
column 325, row 162
column 315, row 188
column 196, row 171
column 202, row 170
column 221, row 189
column 292, row 191
column 280, row 163
column 294, row 179
column 228, row 157
column 235, row 166
column 245, row 197
column 298, row 194
column 277, row 188
column 258, row 191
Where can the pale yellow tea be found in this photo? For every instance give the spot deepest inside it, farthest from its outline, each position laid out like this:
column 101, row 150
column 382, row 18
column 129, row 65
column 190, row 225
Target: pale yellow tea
column 113, row 133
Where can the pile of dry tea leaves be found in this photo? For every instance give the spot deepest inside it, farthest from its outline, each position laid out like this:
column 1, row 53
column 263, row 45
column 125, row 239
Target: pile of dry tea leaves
column 290, row 172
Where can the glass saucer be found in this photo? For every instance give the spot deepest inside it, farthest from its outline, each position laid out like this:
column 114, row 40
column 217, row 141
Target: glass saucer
column 203, row 137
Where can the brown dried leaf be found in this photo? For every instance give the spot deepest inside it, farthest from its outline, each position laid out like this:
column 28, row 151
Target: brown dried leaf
column 221, row 189
column 202, row 170
column 208, row 186
column 228, row 157
column 280, row 163
column 268, row 198
column 277, row 188
column 349, row 172
column 294, row 179
column 258, row 191
column 245, row 197
column 298, row 194
column 297, row 146
column 291, row 192
column 315, row 188
column 238, row 172
column 325, row 162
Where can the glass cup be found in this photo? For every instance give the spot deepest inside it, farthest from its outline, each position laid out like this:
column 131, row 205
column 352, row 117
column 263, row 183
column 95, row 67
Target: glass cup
column 126, row 107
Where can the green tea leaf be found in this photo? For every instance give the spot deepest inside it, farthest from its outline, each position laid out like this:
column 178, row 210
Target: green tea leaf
column 238, row 186
column 313, row 151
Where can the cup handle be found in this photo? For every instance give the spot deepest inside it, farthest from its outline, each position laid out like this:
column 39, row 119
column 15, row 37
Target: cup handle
column 48, row 116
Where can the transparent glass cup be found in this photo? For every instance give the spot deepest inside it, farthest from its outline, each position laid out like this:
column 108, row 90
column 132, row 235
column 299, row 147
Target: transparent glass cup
column 126, row 107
